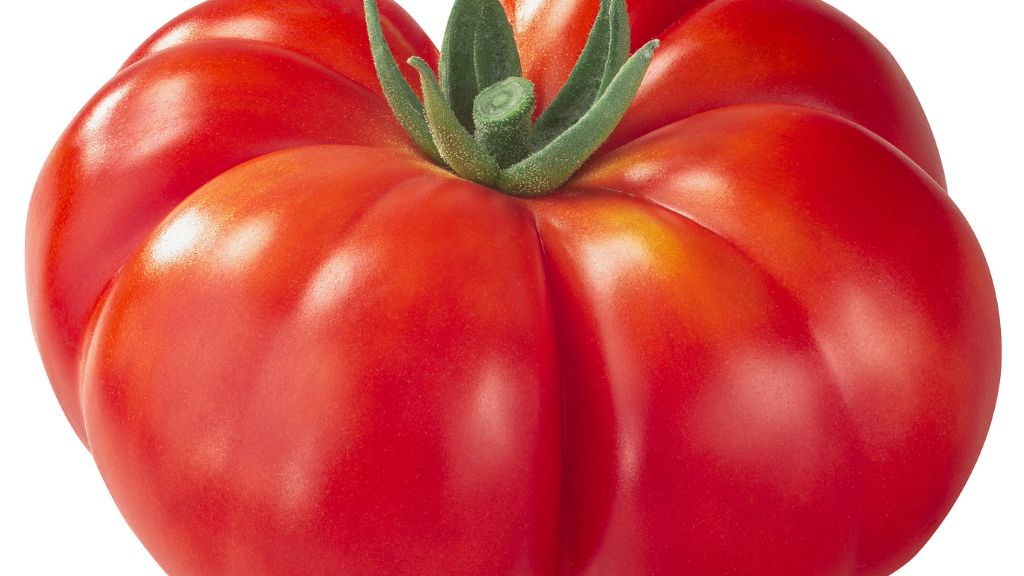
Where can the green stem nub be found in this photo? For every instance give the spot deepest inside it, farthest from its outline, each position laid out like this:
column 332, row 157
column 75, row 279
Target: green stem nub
column 503, row 116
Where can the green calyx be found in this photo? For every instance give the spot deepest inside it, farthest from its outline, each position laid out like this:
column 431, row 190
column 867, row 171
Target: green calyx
column 476, row 118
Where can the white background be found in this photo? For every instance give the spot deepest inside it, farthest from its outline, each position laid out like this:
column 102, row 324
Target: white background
column 966, row 61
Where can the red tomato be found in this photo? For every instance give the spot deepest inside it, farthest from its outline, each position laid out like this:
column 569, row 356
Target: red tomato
column 752, row 336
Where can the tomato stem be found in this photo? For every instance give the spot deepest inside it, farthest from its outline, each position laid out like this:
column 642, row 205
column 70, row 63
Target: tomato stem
column 476, row 118
column 503, row 116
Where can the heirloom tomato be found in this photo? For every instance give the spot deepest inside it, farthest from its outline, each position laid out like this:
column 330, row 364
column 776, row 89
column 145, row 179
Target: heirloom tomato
column 667, row 289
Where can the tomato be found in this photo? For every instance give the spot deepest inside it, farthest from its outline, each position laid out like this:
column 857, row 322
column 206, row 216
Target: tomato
column 752, row 335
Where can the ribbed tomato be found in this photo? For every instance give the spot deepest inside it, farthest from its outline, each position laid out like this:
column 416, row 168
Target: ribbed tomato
column 752, row 335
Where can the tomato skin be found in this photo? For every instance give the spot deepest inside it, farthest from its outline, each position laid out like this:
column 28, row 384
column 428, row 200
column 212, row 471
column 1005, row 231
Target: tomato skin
column 752, row 336
column 338, row 414
column 730, row 52
column 894, row 294
column 161, row 129
column 329, row 32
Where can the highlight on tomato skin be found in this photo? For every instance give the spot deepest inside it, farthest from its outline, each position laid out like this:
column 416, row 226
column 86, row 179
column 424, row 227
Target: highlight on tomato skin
column 597, row 288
